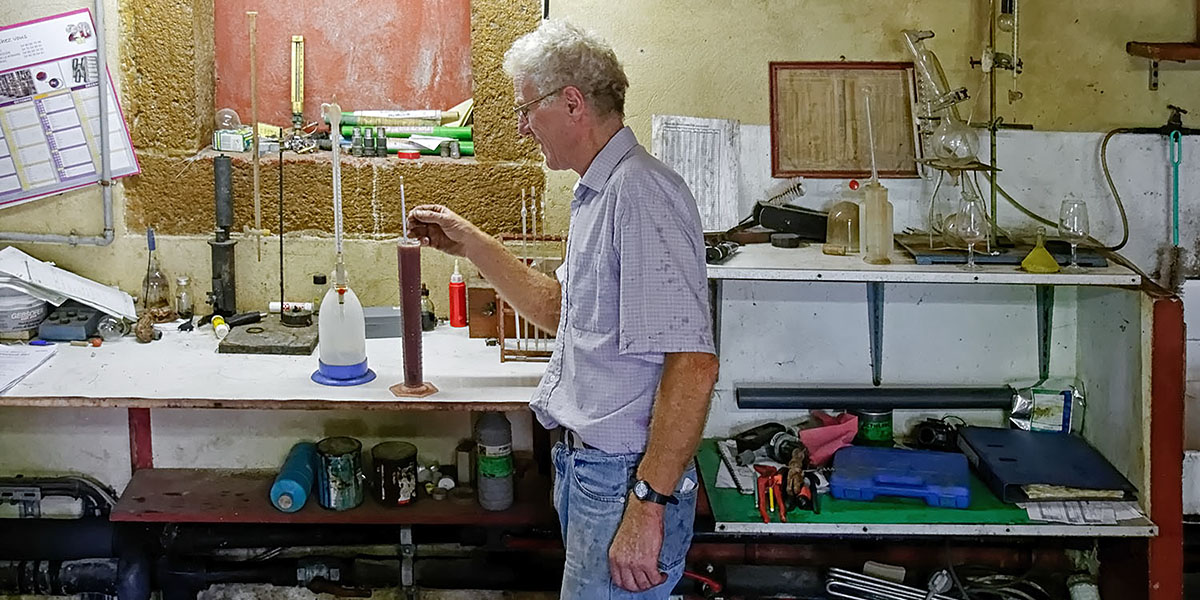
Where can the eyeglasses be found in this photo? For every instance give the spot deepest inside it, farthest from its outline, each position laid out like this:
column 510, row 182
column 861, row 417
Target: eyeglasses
column 522, row 111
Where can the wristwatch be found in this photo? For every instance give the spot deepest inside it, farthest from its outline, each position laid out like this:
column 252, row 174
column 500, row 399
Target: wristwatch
column 642, row 491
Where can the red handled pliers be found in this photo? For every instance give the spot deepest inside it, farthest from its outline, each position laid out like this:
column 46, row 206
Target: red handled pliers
column 770, row 480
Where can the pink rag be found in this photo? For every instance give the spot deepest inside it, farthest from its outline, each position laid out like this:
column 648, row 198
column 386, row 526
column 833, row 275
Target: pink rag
column 833, row 434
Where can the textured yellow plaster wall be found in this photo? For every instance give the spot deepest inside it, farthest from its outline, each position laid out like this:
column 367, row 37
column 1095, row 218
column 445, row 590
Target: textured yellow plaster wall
column 699, row 58
column 494, row 26
column 167, row 62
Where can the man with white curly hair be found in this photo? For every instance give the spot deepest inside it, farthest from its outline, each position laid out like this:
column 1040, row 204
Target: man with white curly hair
column 634, row 363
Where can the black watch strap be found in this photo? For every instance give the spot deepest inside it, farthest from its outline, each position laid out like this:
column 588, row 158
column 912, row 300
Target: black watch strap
column 642, row 491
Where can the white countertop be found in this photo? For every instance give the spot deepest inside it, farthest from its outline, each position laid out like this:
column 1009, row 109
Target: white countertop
column 184, row 370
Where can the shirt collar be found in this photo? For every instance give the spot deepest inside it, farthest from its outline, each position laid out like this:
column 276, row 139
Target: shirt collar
column 606, row 161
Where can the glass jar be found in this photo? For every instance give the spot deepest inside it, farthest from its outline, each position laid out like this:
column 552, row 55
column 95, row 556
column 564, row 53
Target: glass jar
column 183, row 298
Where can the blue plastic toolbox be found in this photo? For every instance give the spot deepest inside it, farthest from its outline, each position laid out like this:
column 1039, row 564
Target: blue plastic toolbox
column 863, row 473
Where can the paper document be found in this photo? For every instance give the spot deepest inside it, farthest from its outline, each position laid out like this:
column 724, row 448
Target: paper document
column 428, row 142
column 41, row 279
column 731, row 474
column 50, row 109
column 1083, row 512
column 18, row 361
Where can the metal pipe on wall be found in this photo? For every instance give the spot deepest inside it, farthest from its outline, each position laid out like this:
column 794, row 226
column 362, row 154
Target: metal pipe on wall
column 792, row 398
column 106, row 237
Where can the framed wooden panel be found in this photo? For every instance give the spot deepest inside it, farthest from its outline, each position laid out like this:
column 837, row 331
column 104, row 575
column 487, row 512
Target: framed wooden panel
column 819, row 119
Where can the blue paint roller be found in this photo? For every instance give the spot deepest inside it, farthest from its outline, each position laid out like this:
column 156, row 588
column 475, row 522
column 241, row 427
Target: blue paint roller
column 295, row 480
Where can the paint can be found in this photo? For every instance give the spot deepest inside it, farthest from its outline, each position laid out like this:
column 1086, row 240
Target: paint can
column 395, row 468
column 874, row 427
column 339, row 473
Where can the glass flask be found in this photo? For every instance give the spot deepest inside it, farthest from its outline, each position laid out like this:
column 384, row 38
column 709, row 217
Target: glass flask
column 1039, row 260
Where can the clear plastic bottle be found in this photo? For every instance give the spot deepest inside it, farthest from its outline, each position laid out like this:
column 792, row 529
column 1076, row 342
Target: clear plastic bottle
column 156, row 285
column 494, row 463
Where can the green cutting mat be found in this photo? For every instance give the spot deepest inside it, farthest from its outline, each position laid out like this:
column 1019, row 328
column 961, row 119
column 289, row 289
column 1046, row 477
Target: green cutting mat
column 731, row 507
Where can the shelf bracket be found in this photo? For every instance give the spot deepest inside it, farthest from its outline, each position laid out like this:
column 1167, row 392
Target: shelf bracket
column 1045, row 323
column 875, row 321
column 408, row 551
column 1154, row 75
column 715, row 291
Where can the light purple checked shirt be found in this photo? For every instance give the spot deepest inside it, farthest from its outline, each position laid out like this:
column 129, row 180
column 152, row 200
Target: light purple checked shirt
column 634, row 287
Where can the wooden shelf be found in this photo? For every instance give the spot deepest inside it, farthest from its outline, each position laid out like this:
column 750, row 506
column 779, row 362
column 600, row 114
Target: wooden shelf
column 765, row 262
column 1175, row 51
column 242, row 496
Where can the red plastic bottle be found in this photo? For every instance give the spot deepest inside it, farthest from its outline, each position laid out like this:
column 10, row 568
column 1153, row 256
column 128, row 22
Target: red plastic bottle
column 458, row 299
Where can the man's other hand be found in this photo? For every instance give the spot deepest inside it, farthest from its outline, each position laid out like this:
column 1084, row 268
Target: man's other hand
column 437, row 226
column 633, row 555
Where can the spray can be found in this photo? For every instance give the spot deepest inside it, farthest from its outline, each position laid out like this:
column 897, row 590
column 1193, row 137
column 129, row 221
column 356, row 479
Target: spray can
column 295, row 480
column 220, row 327
column 493, row 434
column 458, row 298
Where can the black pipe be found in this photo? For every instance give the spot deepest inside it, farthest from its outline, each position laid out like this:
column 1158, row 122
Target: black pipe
column 771, row 581
column 845, row 398
column 133, row 576
column 97, row 498
column 59, row 578
column 181, row 539
column 56, row 539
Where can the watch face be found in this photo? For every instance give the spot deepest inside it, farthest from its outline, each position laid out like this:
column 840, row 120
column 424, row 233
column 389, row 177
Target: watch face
column 641, row 490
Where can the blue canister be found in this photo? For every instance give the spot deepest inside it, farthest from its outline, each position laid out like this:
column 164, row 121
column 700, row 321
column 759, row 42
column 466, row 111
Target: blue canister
column 339, row 473
column 294, row 482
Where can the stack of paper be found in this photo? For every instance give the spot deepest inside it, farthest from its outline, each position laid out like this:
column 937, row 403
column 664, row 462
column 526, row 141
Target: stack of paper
column 1082, row 512
column 18, row 361
column 24, row 273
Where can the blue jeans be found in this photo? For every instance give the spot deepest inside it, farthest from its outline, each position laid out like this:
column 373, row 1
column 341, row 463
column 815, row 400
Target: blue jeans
column 590, row 490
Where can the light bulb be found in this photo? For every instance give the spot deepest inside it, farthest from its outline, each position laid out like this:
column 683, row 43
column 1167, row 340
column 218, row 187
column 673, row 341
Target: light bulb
column 227, row 118
column 1006, row 22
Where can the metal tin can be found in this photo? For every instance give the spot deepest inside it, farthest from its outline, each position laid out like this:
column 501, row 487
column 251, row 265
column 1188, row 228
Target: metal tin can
column 339, row 478
column 874, row 427
column 395, row 468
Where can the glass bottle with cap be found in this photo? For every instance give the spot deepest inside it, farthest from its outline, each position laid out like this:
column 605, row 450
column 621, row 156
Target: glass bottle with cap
column 428, row 317
column 183, row 297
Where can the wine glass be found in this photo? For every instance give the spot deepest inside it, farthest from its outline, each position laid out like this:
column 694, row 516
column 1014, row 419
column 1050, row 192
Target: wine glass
column 1073, row 227
column 971, row 226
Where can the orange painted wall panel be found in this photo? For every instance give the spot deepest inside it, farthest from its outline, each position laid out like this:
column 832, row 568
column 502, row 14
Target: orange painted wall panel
column 392, row 54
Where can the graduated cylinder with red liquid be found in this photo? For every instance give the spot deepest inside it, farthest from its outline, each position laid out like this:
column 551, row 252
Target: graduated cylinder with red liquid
column 408, row 258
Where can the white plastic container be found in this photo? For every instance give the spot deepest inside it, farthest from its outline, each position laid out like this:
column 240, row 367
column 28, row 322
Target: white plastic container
column 342, row 329
column 20, row 312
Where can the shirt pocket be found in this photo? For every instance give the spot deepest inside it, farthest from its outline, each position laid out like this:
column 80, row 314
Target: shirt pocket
column 592, row 293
